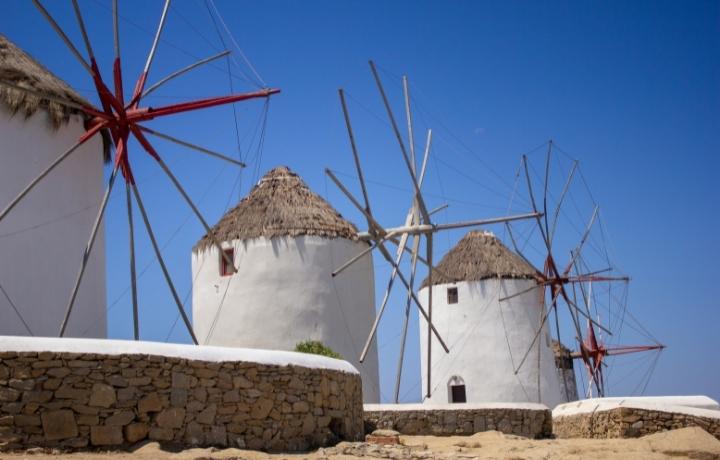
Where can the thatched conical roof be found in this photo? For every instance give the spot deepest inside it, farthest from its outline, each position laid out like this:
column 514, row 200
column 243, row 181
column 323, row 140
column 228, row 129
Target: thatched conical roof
column 478, row 256
column 281, row 204
column 17, row 67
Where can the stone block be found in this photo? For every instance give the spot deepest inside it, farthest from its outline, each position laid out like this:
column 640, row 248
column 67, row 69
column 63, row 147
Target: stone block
column 136, row 432
column 59, row 372
column 383, row 437
column 106, row 435
column 37, row 396
column 203, row 373
column 59, row 424
column 207, row 416
column 178, row 397
column 116, row 381
column 8, row 394
column 26, row 420
column 139, row 381
column 308, row 426
column 102, row 395
column 217, row 436
column 161, row 434
column 301, row 407
column 68, row 392
column 52, row 384
column 120, row 418
column 173, row 417
column 22, row 385
column 88, row 420
column 126, row 394
column 241, row 382
column 150, row 403
column 194, row 434
column 261, row 408
column 180, row 380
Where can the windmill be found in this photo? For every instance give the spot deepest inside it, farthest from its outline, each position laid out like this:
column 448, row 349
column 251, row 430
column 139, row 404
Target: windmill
column 560, row 283
column 418, row 224
column 125, row 118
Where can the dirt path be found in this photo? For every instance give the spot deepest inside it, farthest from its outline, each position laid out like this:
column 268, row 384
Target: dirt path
column 687, row 443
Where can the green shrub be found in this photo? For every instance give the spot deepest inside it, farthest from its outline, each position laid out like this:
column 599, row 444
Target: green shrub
column 316, row 348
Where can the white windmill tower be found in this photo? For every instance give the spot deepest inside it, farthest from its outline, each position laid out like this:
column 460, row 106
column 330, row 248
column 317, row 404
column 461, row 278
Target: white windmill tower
column 122, row 117
column 285, row 240
column 418, row 224
column 487, row 334
column 35, row 269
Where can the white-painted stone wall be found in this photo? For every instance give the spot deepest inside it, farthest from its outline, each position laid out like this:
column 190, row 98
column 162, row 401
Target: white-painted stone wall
column 487, row 340
column 284, row 293
column 42, row 239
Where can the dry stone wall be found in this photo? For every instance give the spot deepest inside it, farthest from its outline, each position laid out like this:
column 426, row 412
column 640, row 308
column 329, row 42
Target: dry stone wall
column 521, row 420
column 629, row 422
column 85, row 400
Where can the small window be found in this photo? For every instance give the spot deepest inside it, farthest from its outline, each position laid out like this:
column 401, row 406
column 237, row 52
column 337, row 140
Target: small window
column 452, row 295
column 225, row 268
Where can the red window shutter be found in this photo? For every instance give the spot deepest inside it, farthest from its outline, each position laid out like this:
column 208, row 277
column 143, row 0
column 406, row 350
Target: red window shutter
column 225, row 269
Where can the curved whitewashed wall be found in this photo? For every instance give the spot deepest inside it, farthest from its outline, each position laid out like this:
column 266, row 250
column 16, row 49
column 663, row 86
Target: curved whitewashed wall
column 111, row 394
column 487, row 340
column 42, row 239
column 284, row 293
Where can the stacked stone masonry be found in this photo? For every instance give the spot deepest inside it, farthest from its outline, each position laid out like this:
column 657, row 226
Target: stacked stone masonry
column 628, row 422
column 530, row 423
column 77, row 401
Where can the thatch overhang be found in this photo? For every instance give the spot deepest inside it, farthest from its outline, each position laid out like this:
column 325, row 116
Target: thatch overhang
column 478, row 256
column 280, row 205
column 19, row 68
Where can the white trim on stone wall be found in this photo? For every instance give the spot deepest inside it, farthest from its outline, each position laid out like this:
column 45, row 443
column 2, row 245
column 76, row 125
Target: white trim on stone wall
column 174, row 350
column 700, row 406
column 455, row 406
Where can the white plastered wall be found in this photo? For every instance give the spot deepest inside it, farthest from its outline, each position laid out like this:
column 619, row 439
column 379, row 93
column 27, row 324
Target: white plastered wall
column 487, row 340
column 284, row 293
column 42, row 239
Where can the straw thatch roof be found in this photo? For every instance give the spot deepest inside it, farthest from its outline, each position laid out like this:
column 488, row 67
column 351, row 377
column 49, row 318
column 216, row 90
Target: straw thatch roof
column 479, row 256
column 281, row 204
column 19, row 68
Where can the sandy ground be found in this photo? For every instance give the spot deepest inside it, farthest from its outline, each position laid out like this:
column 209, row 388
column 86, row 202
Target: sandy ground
column 687, row 443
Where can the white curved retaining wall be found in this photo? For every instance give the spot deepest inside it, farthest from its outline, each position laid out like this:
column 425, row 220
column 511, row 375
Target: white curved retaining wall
column 80, row 393
column 690, row 405
column 631, row 417
column 284, row 293
column 487, row 340
column 523, row 419
column 43, row 238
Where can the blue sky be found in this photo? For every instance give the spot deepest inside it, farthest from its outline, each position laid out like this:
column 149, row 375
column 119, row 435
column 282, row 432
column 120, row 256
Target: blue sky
column 631, row 89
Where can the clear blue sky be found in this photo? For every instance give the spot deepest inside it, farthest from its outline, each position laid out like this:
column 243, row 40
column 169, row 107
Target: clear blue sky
column 632, row 89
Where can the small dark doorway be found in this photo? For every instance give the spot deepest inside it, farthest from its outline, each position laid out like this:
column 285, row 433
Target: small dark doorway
column 456, row 390
column 457, row 394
